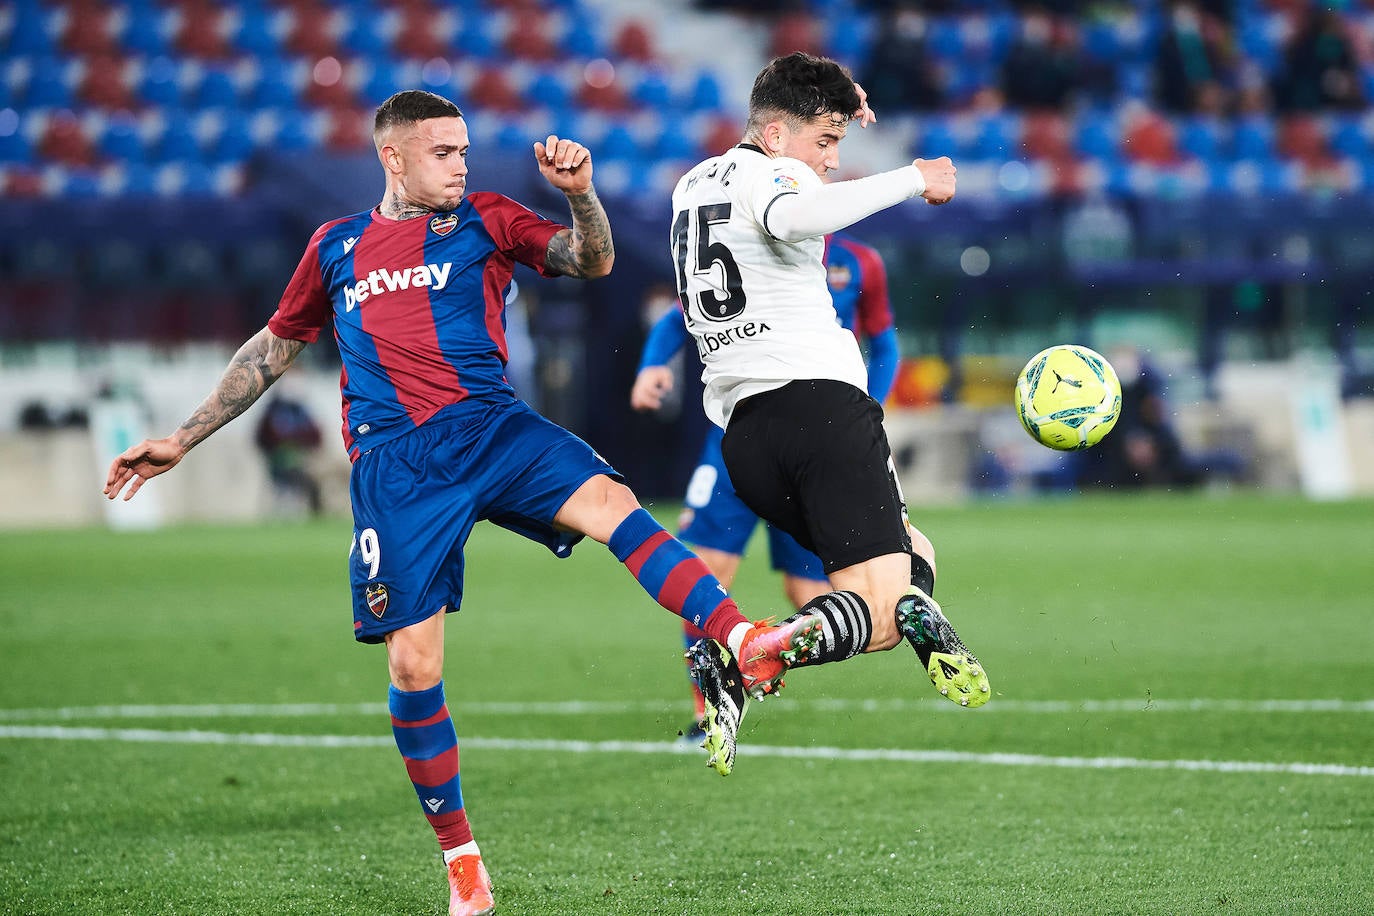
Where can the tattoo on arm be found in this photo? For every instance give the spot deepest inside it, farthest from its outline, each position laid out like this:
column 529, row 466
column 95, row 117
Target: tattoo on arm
column 254, row 368
column 587, row 249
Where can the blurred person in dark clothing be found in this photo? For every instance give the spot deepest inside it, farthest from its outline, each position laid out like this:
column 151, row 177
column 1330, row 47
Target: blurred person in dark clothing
column 1045, row 68
column 899, row 73
column 1144, row 449
column 287, row 436
column 1320, row 67
column 1195, row 70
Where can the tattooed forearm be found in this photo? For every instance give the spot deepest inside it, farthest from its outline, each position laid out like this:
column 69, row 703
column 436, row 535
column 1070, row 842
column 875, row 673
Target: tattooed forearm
column 254, row 368
column 587, row 250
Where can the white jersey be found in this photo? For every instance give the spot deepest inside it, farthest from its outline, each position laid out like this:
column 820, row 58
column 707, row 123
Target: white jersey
column 759, row 308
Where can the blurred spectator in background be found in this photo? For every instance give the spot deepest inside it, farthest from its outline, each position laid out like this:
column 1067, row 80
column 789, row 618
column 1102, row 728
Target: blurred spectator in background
column 1195, row 70
column 1320, row 69
column 1144, row 449
column 899, row 74
column 1044, row 68
column 287, row 436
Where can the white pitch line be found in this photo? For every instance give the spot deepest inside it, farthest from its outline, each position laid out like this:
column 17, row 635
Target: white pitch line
column 613, row 707
column 146, row 735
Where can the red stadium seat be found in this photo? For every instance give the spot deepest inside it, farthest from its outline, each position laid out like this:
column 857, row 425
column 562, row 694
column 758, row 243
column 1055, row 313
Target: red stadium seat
column 530, row 38
column 64, row 141
column 312, row 32
column 105, row 84
column 89, row 28
column 424, row 32
column 635, row 42
column 203, row 31
column 493, row 91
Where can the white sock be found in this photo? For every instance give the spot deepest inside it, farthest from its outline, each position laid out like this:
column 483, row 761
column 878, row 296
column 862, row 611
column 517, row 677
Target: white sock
column 467, row 849
column 736, row 638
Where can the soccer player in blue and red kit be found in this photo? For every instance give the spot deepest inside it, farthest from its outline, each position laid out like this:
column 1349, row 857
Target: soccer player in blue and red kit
column 415, row 290
column 715, row 521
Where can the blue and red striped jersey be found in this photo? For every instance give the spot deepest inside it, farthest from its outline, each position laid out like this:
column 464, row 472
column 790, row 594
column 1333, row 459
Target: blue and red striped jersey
column 418, row 308
column 858, row 285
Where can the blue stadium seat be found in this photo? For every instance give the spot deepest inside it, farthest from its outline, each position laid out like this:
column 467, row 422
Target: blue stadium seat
column 675, row 141
column 145, row 31
column 234, row 143
column 294, row 130
column 943, row 38
column 619, row 144
column 217, row 88
column 197, row 180
column 1201, row 137
column 1260, row 39
column 475, row 37
column 937, row 138
column 1349, row 138
column 547, row 90
column 997, row 137
column 50, row 83
column 388, row 77
column 259, row 32
column 178, row 142
column 276, row 84
column 137, row 179
column 1254, row 138
column 653, row 90
column 705, row 93
column 31, row 30
column 159, row 85
column 1096, row 136
column 581, row 39
column 14, row 146
column 79, row 183
column 122, row 141
column 368, row 34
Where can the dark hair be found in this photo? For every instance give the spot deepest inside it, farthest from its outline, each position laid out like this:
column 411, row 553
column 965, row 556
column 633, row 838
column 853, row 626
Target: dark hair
column 802, row 86
column 412, row 106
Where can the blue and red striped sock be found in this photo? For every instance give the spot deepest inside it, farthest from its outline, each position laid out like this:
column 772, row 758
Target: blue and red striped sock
column 674, row 576
column 429, row 745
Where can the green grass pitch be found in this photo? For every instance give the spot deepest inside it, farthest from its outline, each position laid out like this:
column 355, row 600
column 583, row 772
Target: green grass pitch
column 1182, row 722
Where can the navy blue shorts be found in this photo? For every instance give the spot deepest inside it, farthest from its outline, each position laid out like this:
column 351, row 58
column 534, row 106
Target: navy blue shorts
column 715, row 517
column 416, row 498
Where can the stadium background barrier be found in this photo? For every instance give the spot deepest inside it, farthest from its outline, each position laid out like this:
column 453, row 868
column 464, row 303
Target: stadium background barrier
column 52, row 477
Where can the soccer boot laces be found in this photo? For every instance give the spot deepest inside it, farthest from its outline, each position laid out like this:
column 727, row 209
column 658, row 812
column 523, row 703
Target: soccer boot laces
column 953, row 669
column 722, row 688
column 768, row 651
column 469, row 888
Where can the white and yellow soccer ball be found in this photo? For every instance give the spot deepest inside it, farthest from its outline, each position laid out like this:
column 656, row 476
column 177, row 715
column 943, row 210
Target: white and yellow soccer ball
column 1068, row 397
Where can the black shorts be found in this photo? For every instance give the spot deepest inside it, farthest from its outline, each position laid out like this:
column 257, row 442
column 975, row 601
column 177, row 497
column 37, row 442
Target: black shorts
column 812, row 458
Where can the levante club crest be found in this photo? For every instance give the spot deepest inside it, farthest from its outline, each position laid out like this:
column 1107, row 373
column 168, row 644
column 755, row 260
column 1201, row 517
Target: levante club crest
column 443, row 225
column 377, row 599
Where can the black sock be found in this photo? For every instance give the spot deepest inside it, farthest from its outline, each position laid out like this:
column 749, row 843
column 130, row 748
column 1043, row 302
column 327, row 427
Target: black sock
column 846, row 629
column 922, row 575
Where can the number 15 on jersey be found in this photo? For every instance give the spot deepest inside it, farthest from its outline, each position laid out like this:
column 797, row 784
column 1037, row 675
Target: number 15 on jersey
column 708, row 278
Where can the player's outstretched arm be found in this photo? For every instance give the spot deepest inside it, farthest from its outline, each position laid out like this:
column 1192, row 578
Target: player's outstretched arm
column 827, row 208
column 585, row 251
column 254, row 368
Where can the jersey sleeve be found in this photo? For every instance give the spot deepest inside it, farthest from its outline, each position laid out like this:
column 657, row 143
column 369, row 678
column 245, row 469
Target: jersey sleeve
column 516, row 229
column 786, row 176
column 304, row 308
column 668, row 335
column 873, row 310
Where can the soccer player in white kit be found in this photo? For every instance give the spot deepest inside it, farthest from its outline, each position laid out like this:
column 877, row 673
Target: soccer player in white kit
column 804, row 443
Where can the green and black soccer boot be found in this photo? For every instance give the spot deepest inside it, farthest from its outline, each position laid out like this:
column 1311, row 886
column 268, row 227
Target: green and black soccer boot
column 953, row 669
column 722, row 688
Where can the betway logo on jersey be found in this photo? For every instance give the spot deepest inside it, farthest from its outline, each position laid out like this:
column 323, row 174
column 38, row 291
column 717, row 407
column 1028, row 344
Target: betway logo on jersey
column 435, row 276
